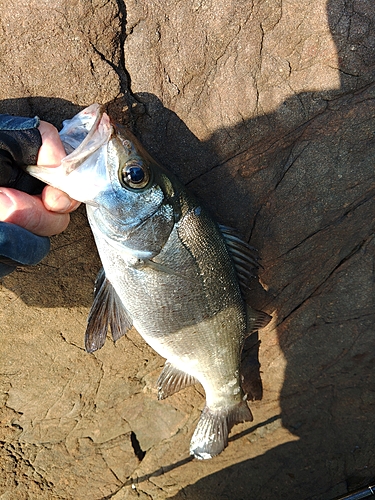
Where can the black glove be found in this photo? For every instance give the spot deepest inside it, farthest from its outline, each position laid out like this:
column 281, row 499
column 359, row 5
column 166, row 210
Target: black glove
column 20, row 141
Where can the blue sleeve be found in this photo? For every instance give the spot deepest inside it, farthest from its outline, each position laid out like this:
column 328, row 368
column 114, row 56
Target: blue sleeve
column 20, row 247
column 10, row 122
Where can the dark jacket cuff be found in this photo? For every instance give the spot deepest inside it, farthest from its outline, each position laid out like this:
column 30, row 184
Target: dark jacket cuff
column 20, row 247
column 19, row 147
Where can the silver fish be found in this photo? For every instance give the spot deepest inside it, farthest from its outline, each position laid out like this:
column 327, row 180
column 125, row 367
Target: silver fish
column 169, row 270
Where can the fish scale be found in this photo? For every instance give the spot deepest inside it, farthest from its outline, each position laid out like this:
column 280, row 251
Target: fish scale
column 169, row 270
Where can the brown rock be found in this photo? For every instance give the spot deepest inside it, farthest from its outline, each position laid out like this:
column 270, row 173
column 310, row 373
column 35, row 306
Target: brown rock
column 266, row 110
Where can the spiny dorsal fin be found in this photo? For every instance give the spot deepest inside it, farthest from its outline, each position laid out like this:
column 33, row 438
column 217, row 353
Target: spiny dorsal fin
column 244, row 256
column 106, row 310
column 172, row 380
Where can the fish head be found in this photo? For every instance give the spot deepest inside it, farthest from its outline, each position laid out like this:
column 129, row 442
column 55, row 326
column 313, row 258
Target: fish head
column 140, row 206
column 131, row 200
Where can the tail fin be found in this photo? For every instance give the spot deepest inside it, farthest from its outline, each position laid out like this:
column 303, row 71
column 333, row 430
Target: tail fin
column 211, row 434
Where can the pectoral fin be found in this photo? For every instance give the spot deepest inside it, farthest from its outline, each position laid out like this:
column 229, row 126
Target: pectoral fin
column 106, row 310
column 172, row 380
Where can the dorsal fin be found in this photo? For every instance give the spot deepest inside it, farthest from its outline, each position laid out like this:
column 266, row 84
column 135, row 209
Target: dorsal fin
column 256, row 319
column 244, row 256
column 106, row 310
column 172, row 380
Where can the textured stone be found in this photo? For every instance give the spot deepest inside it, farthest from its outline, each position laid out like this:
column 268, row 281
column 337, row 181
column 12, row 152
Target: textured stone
column 267, row 111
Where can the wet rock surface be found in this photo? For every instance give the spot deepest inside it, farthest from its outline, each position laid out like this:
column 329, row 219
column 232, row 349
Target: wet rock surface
column 267, row 111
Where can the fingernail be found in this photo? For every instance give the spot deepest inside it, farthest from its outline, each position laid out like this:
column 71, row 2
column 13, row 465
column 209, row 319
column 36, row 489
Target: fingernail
column 62, row 204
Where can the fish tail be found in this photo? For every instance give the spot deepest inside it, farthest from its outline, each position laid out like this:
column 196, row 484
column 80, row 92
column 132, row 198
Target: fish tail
column 211, row 434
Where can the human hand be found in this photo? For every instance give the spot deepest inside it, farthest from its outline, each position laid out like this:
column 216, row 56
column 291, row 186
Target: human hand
column 46, row 214
column 28, row 218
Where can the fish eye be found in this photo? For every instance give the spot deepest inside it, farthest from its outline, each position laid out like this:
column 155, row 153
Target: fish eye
column 134, row 175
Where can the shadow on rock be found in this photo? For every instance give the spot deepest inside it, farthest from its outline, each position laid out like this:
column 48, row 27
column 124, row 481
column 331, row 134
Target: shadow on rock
column 300, row 185
column 313, row 223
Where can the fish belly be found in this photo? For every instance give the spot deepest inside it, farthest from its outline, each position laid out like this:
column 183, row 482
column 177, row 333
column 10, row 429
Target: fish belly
column 214, row 365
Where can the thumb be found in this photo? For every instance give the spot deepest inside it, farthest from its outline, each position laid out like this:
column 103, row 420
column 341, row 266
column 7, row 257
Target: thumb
column 29, row 212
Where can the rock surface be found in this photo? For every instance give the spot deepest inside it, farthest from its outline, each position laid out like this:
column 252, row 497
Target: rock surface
column 267, row 111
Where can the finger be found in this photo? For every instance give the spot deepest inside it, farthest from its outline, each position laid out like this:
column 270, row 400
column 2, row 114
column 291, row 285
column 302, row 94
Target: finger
column 30, row 213
column 58, row 201
column 52, row 150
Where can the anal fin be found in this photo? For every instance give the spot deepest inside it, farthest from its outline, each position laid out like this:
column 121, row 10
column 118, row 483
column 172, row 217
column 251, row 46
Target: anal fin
column 172, row 380
column 106, row 310
column 211, row 434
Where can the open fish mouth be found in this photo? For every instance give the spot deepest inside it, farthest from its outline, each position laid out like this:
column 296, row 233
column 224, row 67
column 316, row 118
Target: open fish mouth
column 83, row 135
column 98, row 134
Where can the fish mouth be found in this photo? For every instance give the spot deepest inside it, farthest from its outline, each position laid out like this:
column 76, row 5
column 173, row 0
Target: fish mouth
column 98, row 135
column 95, row 129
